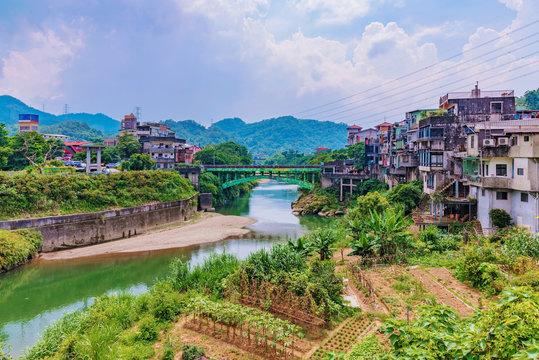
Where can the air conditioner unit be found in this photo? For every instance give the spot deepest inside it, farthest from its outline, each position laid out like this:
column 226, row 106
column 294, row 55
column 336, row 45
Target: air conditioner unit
column 488, row 142
column 503, row 141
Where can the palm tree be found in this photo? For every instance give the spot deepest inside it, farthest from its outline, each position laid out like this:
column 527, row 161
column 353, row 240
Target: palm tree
column 387, row 231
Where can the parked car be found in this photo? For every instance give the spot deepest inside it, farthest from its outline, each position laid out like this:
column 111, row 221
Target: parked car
column 112, row 165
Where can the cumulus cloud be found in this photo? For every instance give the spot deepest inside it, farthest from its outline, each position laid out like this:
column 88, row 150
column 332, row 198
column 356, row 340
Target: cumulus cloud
column 335, row 12
column 224, row 9
column 35, row 72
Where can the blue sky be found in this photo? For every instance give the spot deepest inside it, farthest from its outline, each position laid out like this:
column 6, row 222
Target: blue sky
column 255, row 59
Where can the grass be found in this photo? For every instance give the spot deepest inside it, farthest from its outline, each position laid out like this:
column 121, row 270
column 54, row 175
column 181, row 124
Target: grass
column 18, row 246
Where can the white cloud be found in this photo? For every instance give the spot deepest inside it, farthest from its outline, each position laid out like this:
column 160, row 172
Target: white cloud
column 35, row 72
column 513, row 4
column 335, row 12
column 228, row 10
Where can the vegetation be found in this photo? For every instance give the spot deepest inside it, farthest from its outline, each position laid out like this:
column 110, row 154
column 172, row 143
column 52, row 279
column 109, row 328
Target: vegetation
column 209, row 183
column 127, row 145
column 293, row 157
column 500, row 218
column 33, row 195
column 530, row 99
column 76, row 130
column 18, row 246
column 192, row 352
column 26, row 149
column 228, row 153
column 138, row 162
column 367, row 349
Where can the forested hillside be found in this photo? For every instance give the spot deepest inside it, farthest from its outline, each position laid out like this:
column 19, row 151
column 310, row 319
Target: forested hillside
column 76, row 130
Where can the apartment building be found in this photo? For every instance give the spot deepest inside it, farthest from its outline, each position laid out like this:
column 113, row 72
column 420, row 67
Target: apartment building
column 160, row 142
column 503, row 171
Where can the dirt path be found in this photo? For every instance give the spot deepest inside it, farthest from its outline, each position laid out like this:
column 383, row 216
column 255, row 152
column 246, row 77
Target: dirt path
column 467, row 293
column 442, row 295
column 210, row 227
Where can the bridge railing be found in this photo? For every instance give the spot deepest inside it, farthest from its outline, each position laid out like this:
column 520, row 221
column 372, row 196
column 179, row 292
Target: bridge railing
column 262, row 166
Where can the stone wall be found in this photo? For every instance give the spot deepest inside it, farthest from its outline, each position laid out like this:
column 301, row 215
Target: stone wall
column 68, row 231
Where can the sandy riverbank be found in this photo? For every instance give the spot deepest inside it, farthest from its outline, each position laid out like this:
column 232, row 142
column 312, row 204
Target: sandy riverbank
column 209, row 227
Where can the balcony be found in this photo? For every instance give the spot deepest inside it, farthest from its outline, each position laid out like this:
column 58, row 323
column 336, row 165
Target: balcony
column 161, row 149
column 410, row 163
column 497, row 151
column 496, row 182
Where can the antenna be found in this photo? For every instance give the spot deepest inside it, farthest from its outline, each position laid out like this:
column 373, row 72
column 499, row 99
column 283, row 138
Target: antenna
column 138, row 110
column 66, row 110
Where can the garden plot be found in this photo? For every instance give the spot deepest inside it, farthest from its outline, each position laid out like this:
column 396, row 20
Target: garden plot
column 470, row 295
column 342, row 340
column 397, row 289
column 443, row 295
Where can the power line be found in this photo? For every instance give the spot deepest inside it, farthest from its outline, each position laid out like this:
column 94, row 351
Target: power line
column 432, row 89
column 379, row 115
column 408, row 84
column 419, row 70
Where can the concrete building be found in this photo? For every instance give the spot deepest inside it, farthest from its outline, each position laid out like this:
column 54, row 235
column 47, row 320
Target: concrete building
column 185, row 154
column 160, row 142
column 28, row 122
column 129, row 124
column 110, row 142
column 60, row 137
column 503, row 170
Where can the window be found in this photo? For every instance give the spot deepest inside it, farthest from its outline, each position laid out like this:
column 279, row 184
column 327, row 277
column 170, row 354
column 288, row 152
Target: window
column 526, row 138
column 524, row 197
column 436, row 160
column 472, row 141
column 482, row 192
column 520, row 171
column 501, row 195
column 495, row 107
column 430, row 181
column 501, row 169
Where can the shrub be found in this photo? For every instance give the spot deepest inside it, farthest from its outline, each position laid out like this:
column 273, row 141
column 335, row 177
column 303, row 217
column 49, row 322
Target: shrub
column 164, row 302
column 500, row 218
column 406, row 195
column 147, row 329
column 434, row 239
column 168, row 350
column 531, row 279
column 192, row 352
column 367, row 349
column 477, row 265
column 520, row 242
column 18, row 246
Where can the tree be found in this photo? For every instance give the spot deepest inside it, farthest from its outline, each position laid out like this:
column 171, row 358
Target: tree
column 408, row 195
column 531, row 99
column 110, row 155
column 500, row 218
column 128, row 145
column 139, row 162
column 5, row 150
column 228, row 153
column 31, row 148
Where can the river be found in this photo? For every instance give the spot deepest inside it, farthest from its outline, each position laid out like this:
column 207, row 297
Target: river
column 36, row 294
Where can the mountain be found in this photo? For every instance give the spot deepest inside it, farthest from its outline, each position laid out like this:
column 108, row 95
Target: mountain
column 266, row 136
column 76, row 130
column 10, row 108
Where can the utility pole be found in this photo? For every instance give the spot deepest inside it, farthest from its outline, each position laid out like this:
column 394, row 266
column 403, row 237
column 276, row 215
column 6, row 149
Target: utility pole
column 66, row 110
column 138, row 110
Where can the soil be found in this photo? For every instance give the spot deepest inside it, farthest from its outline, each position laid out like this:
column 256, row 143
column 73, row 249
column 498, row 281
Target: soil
column 209, row 227
column 382, row 279
column 444, row 277
column 442, row 295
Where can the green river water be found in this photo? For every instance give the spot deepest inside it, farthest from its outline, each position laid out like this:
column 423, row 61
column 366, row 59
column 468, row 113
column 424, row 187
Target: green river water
column 38, row 293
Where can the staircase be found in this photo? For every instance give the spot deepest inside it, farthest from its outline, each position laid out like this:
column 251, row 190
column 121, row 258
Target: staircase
column 478, row 228
column 443, row 188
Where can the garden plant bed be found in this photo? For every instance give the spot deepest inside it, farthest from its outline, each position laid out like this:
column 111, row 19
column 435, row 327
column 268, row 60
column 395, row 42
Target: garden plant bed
column 343, row 339
column 443, row 276
column 442, row 295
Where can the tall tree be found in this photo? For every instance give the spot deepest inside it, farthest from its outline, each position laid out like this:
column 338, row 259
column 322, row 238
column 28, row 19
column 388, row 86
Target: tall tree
column 31, row 148
column 128, row 145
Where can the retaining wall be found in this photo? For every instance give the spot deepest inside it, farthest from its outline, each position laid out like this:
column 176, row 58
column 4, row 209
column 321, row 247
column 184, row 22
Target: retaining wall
column 68, row 231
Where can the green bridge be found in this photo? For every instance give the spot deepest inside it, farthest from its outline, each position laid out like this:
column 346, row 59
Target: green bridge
column 304, row 176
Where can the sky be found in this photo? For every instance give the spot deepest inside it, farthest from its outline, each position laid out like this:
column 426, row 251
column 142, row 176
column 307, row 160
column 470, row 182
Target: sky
column 353, row 61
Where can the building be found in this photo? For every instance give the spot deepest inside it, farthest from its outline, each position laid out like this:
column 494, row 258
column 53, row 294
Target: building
column 186, row 153
column 73, row 147
column 129, row 124
column 110, row 142
column 477, row 106
column 60, row 137
column 160, row 142
column 502, row 167
column 28, row 122
column 353, row 132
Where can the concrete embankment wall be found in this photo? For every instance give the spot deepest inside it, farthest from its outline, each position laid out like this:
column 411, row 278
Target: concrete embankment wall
column 68, row 231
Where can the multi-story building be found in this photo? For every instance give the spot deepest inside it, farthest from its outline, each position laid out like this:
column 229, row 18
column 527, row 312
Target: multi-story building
column 110, row 142
column 502, row 167
column 160, row 142
column 129, row 124
column 60, row 137
column 186, row 153
column 28, row 122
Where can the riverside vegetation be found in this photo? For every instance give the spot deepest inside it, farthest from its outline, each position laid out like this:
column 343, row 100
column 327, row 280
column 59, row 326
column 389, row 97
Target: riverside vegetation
column 16, row 247
column 270, row 304
column 31, row 195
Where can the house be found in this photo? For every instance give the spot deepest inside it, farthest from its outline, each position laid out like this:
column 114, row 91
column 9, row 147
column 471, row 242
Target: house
column 502, row 167
column 110, row 142
column 73, row 147
column 129, row 124
column 186, row 153
column 28, row 122
column 160, row 142
column 60, row 137
column 353, row 132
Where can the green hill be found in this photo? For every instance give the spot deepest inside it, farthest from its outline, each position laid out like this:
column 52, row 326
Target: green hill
column 76, row 130
column 10, row 108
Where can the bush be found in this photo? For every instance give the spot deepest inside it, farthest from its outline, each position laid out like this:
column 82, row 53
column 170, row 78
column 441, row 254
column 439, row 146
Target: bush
column 164, row 302
column 138, row 162
column 192, row 352
column 520, row 242
column 147, row 329
column 434, row 239
column 39, row 195
column 531, row 279
column 478, row 266
column 406, row 195
column 500, row 218
column 168, row 350
column 367, row 349
column 18, row 246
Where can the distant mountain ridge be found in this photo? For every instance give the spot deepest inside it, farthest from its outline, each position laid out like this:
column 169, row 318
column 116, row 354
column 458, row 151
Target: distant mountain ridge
column 263, row 137
column 10, row 108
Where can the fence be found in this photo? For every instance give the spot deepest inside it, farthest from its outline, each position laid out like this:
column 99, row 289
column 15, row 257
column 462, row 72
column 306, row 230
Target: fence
column 367, row 262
